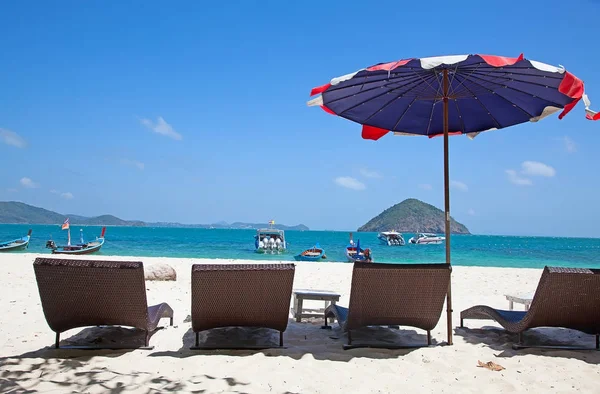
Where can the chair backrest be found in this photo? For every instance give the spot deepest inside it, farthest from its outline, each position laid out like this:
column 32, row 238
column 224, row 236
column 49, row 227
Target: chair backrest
column 81, row 293
column 397, row 294
column 250, row 295
column 567, row 297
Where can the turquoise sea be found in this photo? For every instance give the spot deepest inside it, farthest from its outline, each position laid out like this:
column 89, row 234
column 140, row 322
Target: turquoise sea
column 467, row 250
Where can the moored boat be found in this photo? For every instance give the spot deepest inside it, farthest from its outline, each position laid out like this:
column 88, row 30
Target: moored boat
column 81, row 248
column 391, row 238
column 315, row 253
column 426, row 239
column 17, row 244
column 354, row 253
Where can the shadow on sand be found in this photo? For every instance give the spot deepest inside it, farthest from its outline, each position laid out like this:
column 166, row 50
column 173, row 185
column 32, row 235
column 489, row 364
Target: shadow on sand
column 502, row 341
column 302, row 339
column 72, row 370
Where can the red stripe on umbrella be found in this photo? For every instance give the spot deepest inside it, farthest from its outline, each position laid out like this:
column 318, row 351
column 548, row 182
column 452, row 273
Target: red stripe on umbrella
column 499, row 61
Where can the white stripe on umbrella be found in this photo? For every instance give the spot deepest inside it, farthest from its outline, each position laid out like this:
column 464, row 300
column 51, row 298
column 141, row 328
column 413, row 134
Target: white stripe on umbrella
column 586, row 101
column 431, row 62
column 346, row 77
column 546, row 67
column 316, row 102
column 549, row 110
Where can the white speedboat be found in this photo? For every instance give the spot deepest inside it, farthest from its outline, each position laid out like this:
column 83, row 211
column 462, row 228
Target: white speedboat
column 391, row 238
column 426, row 239
column 270, row 240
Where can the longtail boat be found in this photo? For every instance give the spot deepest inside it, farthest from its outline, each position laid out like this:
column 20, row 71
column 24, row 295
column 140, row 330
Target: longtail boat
column 17, row 244
column 80, row 248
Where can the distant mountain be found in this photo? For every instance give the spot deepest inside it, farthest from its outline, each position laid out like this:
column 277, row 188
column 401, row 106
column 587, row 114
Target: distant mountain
column 411, row 216
column 239, row 225
column 110, row 220
column 232, row 226
column 18, row 212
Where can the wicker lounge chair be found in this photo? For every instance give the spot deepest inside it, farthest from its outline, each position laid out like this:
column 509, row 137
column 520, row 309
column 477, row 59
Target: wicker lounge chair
column 82, row 293
column 241, row 295
column 565, row 297
column 393, row 295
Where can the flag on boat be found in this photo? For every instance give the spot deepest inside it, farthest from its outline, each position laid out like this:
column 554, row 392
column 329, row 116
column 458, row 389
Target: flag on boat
column 65, row 225
column 271, row 222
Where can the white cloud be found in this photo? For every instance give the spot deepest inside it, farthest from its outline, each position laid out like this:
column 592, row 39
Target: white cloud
column 535, row 168
column 570, row 145
column 471, row 212
column 161, row 127
column 370, row 174
column 12, row 138
column 349, row 183
column 28, row 183
column 138, row 164
column 513, row 177
column 459, row 186
column 425, row 186
column 65, row 195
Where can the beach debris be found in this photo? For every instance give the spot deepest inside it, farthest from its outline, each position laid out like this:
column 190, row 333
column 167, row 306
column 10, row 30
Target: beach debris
column 492, row 366
column 160, row 271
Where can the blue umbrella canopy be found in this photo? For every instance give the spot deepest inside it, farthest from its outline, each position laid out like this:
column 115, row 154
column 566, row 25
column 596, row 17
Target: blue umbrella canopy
column 483, row 93
column 449, row 95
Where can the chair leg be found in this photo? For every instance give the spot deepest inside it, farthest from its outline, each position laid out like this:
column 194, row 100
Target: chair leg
column 597, row 341
column 171, row 321
column 521, row 338
column 349, row 338
column 462, row 324
column 281, row 338
column 57, row 340
column 198, row 339
column 147, row 338
column 428, row 338
column 326, row 326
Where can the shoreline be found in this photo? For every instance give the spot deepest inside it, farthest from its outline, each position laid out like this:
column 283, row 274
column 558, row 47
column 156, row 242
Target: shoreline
column 311, row 357
column 274, row 259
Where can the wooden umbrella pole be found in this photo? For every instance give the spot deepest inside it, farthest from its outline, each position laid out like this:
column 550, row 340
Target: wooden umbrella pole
column 447, row 205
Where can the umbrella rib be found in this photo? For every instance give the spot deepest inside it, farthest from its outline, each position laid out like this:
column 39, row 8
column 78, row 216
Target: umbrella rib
column 367, row 82
column 403, row 113
column 367, row 90
column 407, row 108
column 462, row 122
column 431, row 117
column 514, row 71
column 481, row 75
column 484, row 107
column 388, row 103
column 424, row 79
column 380, row 109
column 454, row 91
column 372, row 98
column 514, row 89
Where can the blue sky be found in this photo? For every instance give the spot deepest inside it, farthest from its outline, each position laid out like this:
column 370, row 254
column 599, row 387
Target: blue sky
column 195, row 113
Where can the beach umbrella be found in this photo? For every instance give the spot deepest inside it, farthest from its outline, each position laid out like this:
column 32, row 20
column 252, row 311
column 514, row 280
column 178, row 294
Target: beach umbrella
column 451, row 95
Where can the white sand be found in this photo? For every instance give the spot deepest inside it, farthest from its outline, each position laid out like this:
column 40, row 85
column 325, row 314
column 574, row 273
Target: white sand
column 313, row 362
